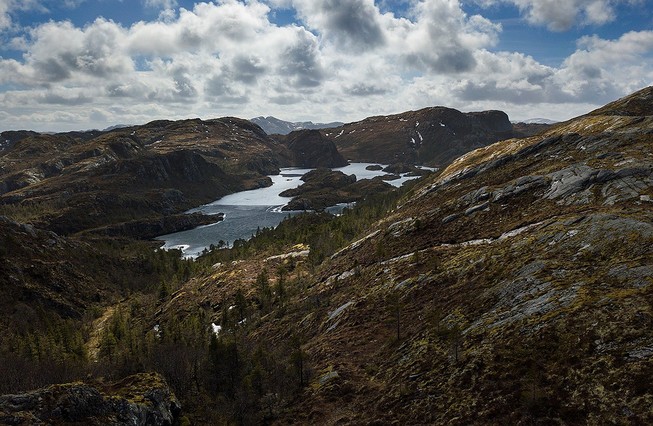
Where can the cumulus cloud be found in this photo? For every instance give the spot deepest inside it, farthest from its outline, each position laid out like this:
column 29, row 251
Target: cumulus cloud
column 94, row 51
column 561, row 15
column 350, row 23
column 443, row 38
column 8, row 7
column 230, row 58
column 5, row 19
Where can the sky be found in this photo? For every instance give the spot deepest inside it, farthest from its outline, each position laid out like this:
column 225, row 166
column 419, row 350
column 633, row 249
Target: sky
column 90, row 64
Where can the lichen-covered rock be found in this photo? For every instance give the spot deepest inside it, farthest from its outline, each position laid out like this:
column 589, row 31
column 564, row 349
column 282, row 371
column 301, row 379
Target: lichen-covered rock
column 142, row 399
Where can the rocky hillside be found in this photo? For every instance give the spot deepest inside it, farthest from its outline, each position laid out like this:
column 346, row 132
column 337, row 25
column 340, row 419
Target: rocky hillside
column 309, row 148
column 143, row 399
column 72, row 182
column 274, row 126
column 514, row 287
column 432, row 136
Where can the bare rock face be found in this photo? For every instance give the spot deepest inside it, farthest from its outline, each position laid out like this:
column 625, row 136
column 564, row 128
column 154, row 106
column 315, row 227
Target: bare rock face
column 142, row 399
column 309, row 148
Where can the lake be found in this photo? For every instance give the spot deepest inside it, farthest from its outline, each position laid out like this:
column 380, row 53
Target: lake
column 246, row 211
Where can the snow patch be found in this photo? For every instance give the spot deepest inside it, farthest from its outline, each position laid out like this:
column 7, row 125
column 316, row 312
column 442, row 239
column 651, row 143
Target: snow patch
column 216, row 328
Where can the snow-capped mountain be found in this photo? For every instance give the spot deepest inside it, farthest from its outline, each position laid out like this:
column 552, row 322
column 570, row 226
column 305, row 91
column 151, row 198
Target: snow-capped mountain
column 272, row 125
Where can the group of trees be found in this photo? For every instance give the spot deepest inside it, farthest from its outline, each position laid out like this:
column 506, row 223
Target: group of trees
column 323, row 232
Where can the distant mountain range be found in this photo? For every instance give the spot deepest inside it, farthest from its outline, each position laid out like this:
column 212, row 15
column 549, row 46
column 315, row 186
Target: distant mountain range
column 274, row 126
column 537, row 121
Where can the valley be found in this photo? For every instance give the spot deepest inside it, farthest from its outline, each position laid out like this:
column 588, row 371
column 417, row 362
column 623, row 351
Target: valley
column 512, row 285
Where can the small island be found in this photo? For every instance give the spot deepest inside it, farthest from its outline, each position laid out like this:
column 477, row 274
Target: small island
column 324, row 187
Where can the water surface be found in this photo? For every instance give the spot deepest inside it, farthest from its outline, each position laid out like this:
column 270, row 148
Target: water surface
column 246, row 211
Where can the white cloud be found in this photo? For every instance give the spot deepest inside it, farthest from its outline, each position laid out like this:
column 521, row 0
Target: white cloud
column 160, row 4
column 561, row 15
column 228, row 58
column 8, row 7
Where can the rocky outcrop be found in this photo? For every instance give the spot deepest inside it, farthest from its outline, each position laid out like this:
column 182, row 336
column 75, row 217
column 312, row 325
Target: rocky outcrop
column 143, row 399
column 309, row 148
column 523, row 130
column 104, row 179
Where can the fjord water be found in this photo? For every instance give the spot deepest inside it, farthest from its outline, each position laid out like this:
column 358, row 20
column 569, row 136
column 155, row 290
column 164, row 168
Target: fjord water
column 246, row 211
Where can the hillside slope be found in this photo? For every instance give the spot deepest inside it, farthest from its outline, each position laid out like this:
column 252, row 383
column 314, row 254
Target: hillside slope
column 432, row 136
column 513, row 288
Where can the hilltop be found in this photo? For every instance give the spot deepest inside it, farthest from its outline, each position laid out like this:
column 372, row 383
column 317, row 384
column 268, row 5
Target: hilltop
column 431, row 136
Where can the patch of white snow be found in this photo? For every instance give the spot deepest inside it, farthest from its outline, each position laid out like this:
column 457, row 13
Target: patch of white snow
column 216, row 328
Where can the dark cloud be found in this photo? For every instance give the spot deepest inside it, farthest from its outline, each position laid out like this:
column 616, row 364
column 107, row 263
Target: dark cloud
column 246, row 69
column 56, row 99
column 300, row 64
column 489, row 91
column 219, row 90
column 455, row 60
column 352, row 23
column 53, row 69
column 362, row 89
column 285, row 99
column 185, row 90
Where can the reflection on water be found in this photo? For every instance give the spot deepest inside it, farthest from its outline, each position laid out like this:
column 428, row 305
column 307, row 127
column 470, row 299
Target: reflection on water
column 246, row 211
